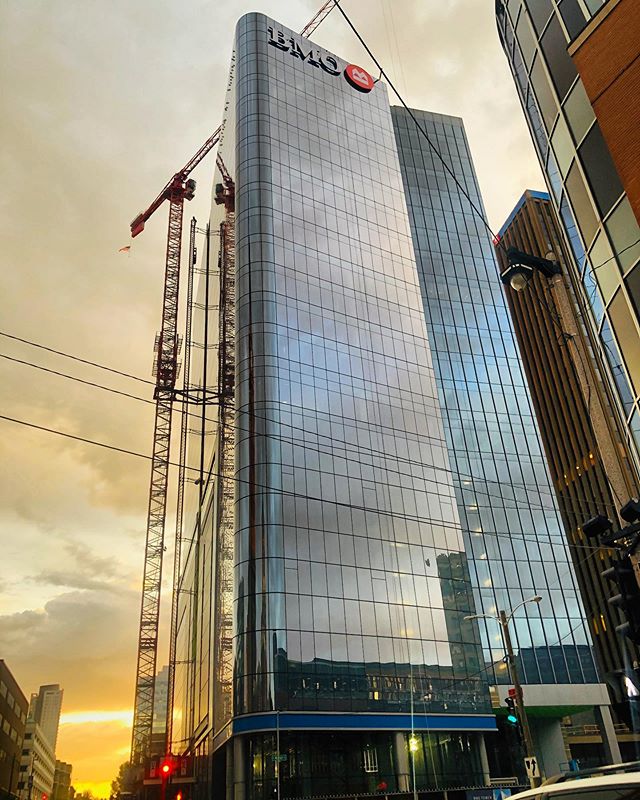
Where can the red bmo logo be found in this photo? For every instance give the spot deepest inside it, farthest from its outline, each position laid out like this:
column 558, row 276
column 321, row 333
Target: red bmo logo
column 358, row 78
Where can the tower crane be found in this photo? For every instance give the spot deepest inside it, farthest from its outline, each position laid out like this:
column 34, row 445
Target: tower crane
column 178, row 189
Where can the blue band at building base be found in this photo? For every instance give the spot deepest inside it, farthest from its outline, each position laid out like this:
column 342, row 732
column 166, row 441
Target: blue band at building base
column 251, row 723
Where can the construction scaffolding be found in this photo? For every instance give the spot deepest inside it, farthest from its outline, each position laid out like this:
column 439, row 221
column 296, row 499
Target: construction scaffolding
column 225, row 460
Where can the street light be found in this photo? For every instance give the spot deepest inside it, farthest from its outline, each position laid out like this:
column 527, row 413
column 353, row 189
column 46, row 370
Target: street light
column 504, row 619
column 521, row 267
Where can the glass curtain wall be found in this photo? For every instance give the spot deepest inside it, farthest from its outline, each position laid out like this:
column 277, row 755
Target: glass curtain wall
column 512, row 531
column 351, row 579
column 585, row 188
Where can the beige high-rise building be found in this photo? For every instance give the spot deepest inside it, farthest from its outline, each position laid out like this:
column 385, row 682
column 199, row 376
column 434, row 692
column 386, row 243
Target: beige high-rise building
column 37, row 764
column 45, row 707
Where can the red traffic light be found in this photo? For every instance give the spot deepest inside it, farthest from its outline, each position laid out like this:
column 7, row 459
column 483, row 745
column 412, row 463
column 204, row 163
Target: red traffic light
column 44, row 796
column 166, row 768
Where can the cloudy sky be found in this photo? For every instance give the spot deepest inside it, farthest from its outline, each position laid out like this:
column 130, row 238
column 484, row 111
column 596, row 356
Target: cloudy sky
column 100, row 102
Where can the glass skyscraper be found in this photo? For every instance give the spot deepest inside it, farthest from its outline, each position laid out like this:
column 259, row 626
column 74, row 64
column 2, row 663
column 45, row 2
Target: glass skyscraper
column 322, row 646
column 585, row 188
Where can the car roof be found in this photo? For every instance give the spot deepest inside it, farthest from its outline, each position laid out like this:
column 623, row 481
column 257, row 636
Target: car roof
column 622, row 779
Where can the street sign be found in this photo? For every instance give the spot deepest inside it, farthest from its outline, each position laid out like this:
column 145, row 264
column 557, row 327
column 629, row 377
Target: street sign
column 279, row 757
column 488, row 794
column 531, row 765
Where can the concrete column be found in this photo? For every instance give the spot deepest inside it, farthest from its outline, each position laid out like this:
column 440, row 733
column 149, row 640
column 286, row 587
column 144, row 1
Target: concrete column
column 609, row 738
column 484, row 761
column 549, row 746
column 402, row 761
column 239, row 781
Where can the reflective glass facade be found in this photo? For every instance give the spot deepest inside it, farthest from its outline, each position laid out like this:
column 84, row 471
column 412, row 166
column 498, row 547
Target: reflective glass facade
column 348, row 543
column 513, row 535
column 585, row 188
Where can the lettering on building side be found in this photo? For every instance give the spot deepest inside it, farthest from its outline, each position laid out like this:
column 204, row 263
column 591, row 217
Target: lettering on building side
column 313, row 57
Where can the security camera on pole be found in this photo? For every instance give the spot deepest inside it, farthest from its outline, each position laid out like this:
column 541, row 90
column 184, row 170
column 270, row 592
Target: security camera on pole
column 531, row 761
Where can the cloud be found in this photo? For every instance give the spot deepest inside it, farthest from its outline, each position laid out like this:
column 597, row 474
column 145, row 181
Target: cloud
column 72, row 580
column 84, row 640
column 20, row 624
column 93, row 716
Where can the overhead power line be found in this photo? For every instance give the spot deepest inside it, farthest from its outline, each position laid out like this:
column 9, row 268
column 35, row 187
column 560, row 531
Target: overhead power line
column 348, row 447
column 75, row 358
column 290, row 493
column 434, row 147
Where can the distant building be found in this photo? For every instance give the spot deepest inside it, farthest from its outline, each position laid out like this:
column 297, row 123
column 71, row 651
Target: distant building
column 61, row 781
column 45, row 709
column 37, row 764
column 13, row 717
column 160, row 701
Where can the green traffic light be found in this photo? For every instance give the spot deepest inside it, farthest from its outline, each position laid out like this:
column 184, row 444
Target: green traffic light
column 512, row 719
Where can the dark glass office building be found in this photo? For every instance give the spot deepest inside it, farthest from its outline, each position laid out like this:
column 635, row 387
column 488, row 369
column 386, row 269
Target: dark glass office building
column 360, row 490
column 586, row 191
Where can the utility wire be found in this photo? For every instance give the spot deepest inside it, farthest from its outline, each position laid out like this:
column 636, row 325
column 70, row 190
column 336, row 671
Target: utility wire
column 333, row 442
column 434, row 148
column 75, row 358
column 289, row 493
column 77, row 380
column 614, row 256
column 424, row 133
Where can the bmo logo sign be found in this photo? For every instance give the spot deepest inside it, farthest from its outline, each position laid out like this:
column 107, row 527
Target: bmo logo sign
column 355, row 76
column 358, row 78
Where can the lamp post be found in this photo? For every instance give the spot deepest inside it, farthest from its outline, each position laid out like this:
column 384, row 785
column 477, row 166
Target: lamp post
column 504, row 619
column 521, row 266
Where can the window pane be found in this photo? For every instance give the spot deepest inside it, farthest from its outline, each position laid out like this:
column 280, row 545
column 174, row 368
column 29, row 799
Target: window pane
column 633, row 287
column 624, row 232
column 579, row 111
column 573, row 17
column 562, row 146
column 605, row 270
column 554, row 176
column 524, row 35
column 593, row 295
column 554, row 45
column 581, row 202
column 540, row 11
column 635, row 427
column 626, row 331
column 514, row 8
column 572, row 231
column 546, row 99
column 594, row 5
column 615, row 362
column 600, row 171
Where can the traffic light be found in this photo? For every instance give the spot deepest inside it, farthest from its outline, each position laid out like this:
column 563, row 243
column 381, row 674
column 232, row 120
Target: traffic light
column 166, row 768
column 512, row 716
column 627, row 599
